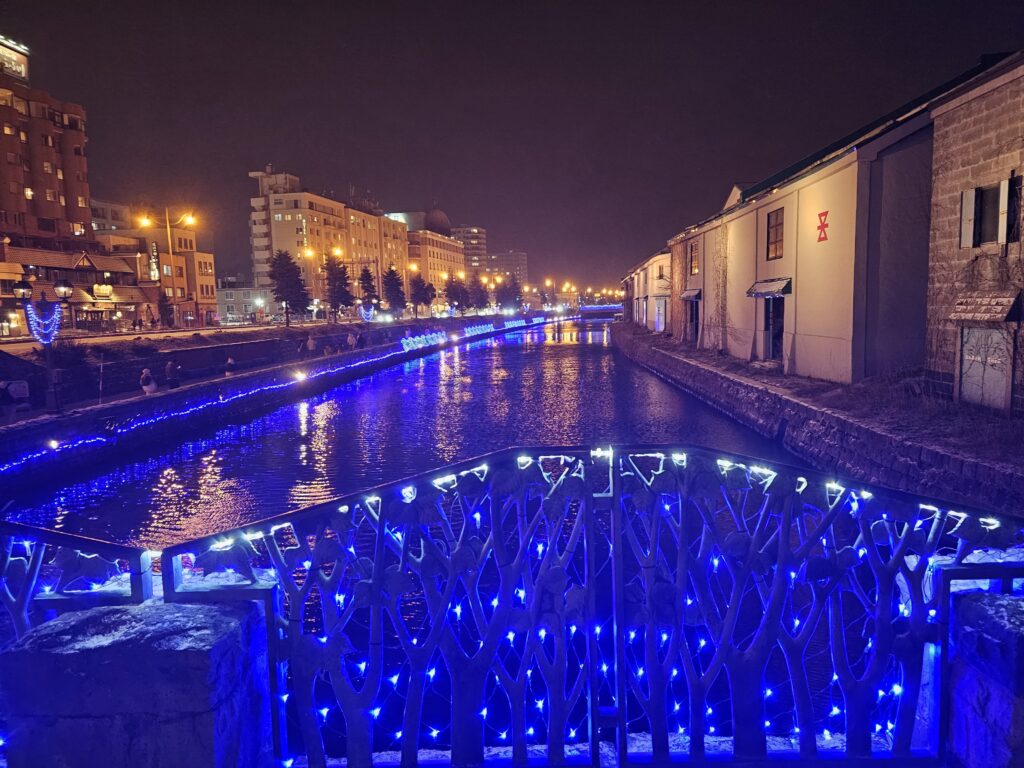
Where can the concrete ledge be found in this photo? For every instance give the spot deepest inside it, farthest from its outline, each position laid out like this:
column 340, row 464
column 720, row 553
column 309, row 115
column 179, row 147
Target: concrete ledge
column 147, row 685
column 831, row 441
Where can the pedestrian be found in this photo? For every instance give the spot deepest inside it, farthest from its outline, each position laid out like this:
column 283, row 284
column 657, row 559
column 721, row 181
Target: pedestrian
column 302, row 348
column 147, row 382
column 351, row 340
column 229, row 366
column 328, row 349
column 173, row 373
column 360, row 340
column 152, row 323
column 310, row 346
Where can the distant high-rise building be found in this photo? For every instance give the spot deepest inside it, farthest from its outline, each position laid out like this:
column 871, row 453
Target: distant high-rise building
column 474, row 242
column 433, row 252
column 312, row 227
column 512, row 263
column 286, row 217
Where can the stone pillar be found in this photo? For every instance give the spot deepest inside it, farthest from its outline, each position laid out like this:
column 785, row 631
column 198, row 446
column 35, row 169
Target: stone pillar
column 987, row 681
column 148, row 685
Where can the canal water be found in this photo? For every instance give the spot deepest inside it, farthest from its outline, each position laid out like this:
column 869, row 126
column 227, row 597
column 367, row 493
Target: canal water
column 548, row 386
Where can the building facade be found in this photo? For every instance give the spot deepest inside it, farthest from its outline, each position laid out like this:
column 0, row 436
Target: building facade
column 286, row 217
column 437, row 258
column 474, row 243
column 511, row 264
column 648, row 289
column 976, row 264
column 239, row 301
column 44, row 180
column 178, row 268
column 433, row 251
column 315, row 227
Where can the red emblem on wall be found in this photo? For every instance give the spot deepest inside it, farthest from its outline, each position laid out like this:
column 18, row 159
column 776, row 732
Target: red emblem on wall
column 823, row 226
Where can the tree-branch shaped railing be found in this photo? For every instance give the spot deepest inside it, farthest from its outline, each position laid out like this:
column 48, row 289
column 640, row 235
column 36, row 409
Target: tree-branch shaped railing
column 463, row 610
column 44, row 573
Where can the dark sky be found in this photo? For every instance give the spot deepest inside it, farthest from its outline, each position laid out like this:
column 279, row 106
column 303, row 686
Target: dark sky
column 583, row 133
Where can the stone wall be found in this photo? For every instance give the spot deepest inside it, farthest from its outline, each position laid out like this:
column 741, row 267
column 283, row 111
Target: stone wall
column 830, row 441
column 145, row 685
column 125, row 360
column 986, row 686
column 75, row 440
column 977, row 143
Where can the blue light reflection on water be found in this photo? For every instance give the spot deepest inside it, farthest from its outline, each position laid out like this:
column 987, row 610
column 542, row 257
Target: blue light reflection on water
column 546, row 386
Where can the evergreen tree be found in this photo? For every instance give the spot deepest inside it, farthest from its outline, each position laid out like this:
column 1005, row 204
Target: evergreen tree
column 478, row 296
column 165, row 310
column 420, row 292
column 394, row 293
column 506, row 295
column 338, row 293
column 456, row 293
column 289, row 289
column 368, row 286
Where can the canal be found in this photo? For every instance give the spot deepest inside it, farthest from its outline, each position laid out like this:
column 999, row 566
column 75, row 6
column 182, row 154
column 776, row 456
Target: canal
column 549, row 386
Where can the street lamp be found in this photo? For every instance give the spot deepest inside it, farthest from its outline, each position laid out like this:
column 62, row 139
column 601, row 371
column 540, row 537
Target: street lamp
column 44, row 320
column 146, row 221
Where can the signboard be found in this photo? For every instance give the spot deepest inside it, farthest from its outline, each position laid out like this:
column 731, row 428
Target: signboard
column 154, row 261
column 14, row 58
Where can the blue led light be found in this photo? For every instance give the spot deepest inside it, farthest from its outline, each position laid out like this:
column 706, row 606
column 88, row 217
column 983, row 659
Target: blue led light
column 221, row 400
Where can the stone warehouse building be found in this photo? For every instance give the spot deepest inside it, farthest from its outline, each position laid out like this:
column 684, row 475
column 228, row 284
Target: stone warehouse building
column 648, row 288
column 822, row 269
column 976, row 272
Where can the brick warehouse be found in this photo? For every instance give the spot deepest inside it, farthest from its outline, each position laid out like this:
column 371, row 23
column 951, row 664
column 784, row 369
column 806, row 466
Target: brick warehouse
column 976, row 273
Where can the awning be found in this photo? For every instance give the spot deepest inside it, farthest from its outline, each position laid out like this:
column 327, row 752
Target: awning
column 766, row 289
column 986, row 306
column 691, row 294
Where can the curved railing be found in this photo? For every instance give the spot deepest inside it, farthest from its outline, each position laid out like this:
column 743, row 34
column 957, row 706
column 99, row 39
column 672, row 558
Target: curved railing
column 538, row 602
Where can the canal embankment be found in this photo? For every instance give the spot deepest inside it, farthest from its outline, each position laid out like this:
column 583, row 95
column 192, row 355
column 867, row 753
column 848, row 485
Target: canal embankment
column 95, row 369
column 851, row 432
column 76, row 439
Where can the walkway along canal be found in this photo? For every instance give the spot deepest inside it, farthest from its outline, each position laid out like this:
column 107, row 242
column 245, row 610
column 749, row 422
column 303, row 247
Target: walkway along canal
column 560, row 385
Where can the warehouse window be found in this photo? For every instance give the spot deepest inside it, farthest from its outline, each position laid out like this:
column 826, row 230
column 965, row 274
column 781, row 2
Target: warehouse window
column 775, row 226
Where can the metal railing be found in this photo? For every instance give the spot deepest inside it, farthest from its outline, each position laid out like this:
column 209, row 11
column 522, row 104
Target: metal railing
column 653, row 602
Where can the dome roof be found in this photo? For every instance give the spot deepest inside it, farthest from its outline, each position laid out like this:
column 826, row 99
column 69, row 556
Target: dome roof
column 437, row 220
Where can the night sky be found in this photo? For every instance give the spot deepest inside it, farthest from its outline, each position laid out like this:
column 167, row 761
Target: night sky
column 583, row 133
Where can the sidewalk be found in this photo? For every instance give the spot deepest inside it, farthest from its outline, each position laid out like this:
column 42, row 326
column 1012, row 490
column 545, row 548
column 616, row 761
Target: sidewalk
column 887, row 431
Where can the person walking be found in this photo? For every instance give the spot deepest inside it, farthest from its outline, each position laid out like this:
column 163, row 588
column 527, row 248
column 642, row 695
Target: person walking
column 173, row 373
column 351, row 340
column 310, row 346
column 147, row 382
column 229, row 366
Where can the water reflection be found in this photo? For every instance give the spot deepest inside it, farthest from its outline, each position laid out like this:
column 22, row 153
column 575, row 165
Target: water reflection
column 551, row 386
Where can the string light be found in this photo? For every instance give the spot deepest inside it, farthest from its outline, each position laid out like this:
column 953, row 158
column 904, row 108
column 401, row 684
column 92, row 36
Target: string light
column 219, row 401
column 44, row 329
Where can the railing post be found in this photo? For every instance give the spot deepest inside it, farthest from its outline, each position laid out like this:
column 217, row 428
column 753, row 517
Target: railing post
column 618, row 615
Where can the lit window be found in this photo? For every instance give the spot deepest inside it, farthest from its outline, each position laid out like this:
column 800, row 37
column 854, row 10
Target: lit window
column 29, row 194
column 51, row 195
column 8, row 129
column 775, row 222
column 82, row 202
column 47, row 167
